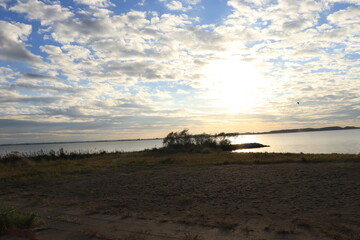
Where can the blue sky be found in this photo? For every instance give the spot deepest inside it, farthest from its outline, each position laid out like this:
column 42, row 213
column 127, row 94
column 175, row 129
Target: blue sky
column 105, row 69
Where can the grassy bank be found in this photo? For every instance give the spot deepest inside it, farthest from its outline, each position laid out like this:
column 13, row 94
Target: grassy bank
column 42, row 166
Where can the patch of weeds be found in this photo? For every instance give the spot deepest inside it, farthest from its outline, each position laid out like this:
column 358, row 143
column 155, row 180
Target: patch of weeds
column 141, row 216
column 342, row 232
column 93, row 208
column 205, row 150
column 65, row 218
column 167, row 161
column 134, row 236
column 13, row 158
column 192, row 236
column 267, row 228
column 94, row 234
column 257, row 161
column 198, row 219
column 184, row 201
column 285, row 232
column 226, row 224
column 136, row 163
column 248, row 231
column 342, row 228
column 341, row 236
column 301, row 223
column 126, row 214
column 203, row 220
column 23, row 233
column 11, row 219
column 116, row 164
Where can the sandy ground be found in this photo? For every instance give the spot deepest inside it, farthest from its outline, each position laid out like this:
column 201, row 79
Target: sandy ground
column 270, row 201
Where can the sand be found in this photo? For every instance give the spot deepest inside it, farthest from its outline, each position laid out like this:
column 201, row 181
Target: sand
column 260, row 201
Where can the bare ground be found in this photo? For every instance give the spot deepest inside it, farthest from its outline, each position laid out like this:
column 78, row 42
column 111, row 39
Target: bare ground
column 270, row 201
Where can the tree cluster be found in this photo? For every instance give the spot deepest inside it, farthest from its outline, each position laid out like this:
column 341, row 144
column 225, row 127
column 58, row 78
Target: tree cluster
column 184, row 139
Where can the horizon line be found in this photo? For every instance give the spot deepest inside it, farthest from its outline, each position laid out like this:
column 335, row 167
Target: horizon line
column 157, row 138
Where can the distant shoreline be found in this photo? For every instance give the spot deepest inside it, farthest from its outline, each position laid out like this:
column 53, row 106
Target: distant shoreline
column 48, row 143
column 228, row 134
column 307, row 130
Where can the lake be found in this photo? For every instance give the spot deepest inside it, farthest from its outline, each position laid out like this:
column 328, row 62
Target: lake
column 340, row 141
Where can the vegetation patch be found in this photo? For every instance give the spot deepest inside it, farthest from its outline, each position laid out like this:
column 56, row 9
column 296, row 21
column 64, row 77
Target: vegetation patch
column 226, row 224
column 184, row 141
column 12, row 219
column 192, row 236
column 180, row 149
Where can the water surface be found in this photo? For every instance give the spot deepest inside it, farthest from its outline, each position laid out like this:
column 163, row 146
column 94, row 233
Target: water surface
column 339, row 141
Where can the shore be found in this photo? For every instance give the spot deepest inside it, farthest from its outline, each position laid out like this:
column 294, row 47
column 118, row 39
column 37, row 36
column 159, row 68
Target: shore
column 285, row 200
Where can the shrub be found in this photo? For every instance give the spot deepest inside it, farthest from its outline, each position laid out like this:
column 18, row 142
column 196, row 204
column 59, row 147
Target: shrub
column 11, row 218
column 183, row 139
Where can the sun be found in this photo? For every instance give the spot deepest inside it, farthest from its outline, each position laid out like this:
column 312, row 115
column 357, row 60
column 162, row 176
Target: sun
column 233, row 85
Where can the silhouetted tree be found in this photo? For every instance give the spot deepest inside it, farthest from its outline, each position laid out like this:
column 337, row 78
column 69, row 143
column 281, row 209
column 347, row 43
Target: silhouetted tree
column 185, row 139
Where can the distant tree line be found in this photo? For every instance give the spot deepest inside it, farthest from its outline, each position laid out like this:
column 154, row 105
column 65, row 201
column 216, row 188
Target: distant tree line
column 184, row 139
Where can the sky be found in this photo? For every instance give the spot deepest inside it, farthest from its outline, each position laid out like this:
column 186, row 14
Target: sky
column 118, row 69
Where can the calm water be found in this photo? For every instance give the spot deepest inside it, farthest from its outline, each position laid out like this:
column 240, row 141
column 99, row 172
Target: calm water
column 92, row 147
column 341, row 141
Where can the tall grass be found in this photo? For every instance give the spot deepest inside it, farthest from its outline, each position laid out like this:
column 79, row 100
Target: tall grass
column 10, row 219
column 45, row 167
column 23, row 158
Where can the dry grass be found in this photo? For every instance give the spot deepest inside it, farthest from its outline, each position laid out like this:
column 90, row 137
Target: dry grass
column 17, row 222
column 66, row 218
column 95, row 234
column 339, row 231
column 29, row 170
column 192, row 236
column 285, row 232
column 302, row 223
column 226, row 224
column 134, row 236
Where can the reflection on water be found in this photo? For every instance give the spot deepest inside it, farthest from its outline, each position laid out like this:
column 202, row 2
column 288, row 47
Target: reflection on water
column 340, row 141
column 244, row 139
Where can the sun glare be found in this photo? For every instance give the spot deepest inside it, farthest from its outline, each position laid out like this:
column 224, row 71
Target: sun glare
column 233, row 85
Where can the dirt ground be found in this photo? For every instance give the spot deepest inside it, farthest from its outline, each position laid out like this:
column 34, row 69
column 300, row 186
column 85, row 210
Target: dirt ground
column 260, row 201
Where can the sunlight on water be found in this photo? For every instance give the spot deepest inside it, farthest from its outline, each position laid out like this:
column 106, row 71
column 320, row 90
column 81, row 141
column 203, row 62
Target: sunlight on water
column 341, row 141
column 243, row 139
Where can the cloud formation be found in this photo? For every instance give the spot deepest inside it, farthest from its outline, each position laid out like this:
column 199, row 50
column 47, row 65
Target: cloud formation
column 137, row 69
column 12, row 47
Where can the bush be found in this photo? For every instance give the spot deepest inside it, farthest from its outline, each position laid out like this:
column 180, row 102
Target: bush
column 11, row 218
column 184, row 140
column 12, row 158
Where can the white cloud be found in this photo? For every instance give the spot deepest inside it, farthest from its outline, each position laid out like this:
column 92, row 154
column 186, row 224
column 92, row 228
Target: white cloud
column 193, row 2
column 76, row 52
column 101, row 62
column 174, row 5
column 347, row 17
column 95, row 3
column 181, row 91
column 45, row 13
column 3, row 3
column 12, row 47
column 7, row 74
column 258, row 2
